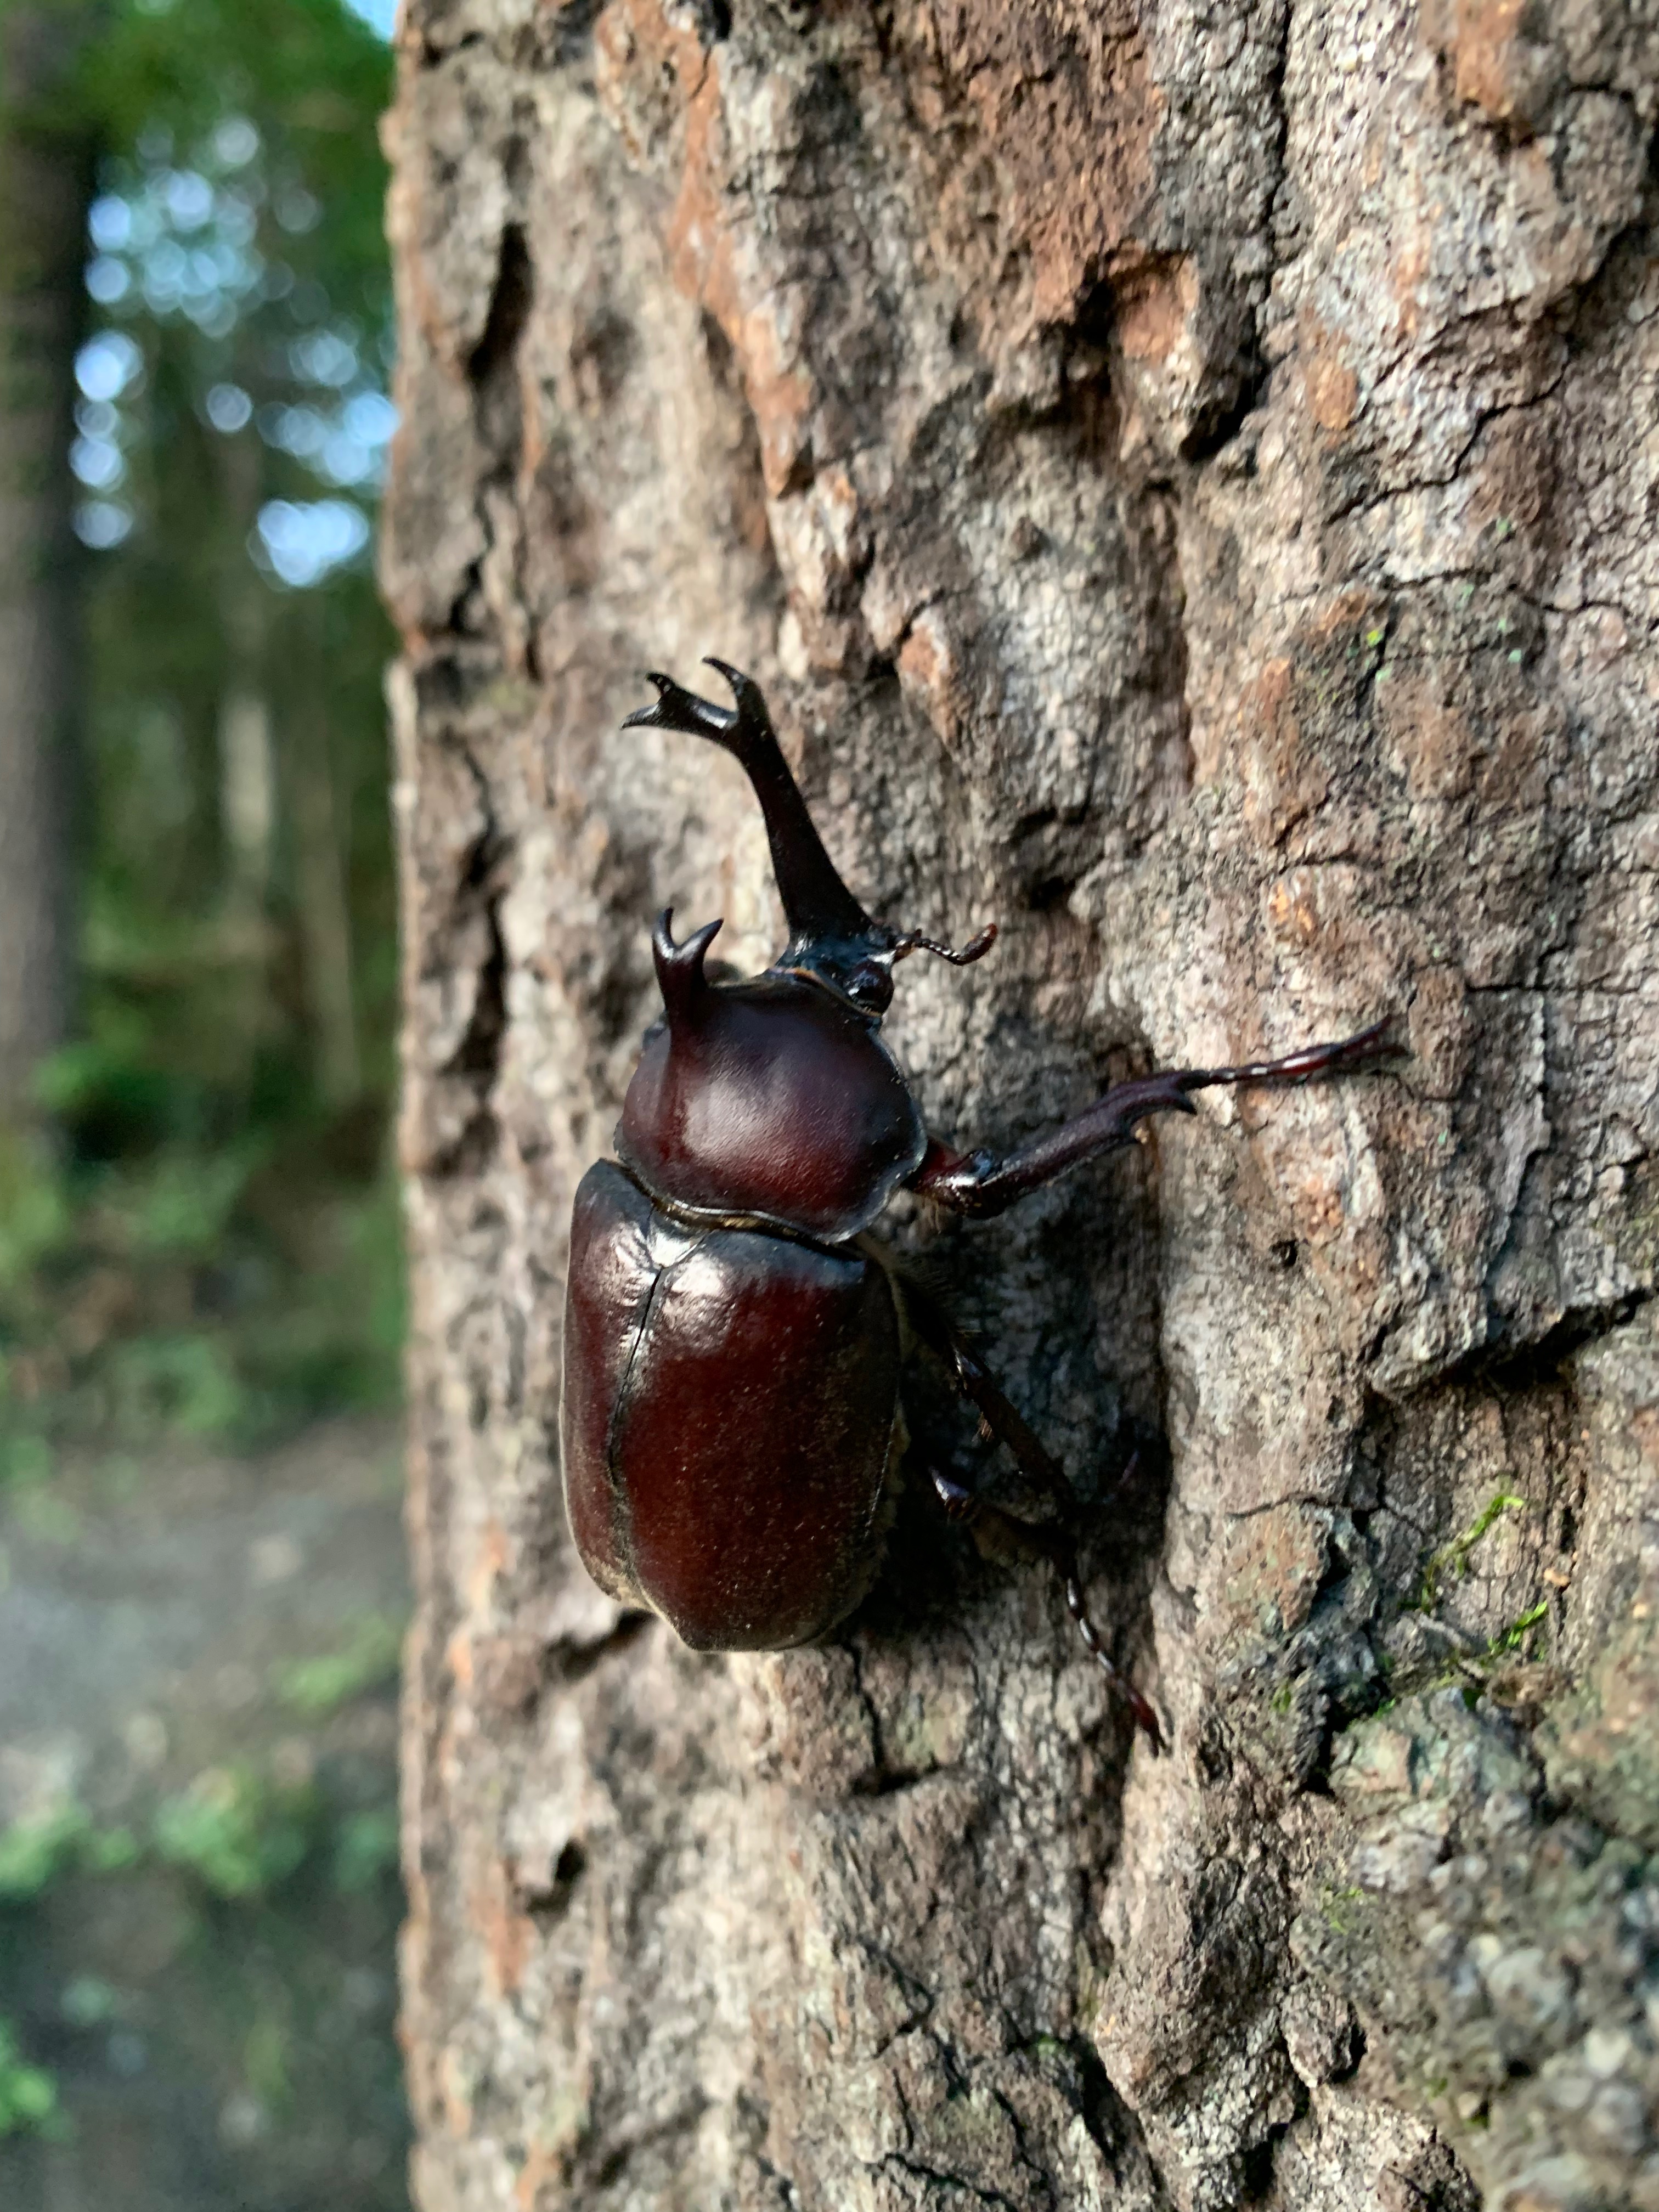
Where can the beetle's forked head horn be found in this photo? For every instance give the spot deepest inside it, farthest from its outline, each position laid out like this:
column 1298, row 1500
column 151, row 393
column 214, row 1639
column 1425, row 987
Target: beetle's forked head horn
column 831, row 935
column 816, row 900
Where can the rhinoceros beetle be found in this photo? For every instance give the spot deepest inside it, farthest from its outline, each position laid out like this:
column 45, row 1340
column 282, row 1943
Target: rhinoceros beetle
column 732, row 1335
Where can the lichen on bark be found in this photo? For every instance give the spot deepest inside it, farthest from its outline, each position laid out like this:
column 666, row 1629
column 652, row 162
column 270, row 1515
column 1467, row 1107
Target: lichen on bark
column 1186, row 480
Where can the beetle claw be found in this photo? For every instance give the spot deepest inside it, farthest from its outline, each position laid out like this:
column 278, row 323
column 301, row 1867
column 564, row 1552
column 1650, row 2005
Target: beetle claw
column 959, row 1504
column 1146, row 1715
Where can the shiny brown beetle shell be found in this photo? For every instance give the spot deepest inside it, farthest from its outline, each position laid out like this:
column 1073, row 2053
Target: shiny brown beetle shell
column 727, row 1422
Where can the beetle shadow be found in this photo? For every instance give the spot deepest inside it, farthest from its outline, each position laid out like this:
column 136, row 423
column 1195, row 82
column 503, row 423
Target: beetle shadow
column 936, row 1570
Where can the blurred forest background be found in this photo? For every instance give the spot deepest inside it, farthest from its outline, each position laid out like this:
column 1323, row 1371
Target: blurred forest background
column 200, row 1316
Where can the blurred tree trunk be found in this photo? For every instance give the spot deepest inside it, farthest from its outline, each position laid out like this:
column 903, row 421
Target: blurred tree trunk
column 246, row 752
column 45, row 176
column 1186, row 479
column 320, row 883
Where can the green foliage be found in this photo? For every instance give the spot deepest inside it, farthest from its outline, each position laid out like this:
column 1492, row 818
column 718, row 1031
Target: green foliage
column 1516, row 1636
column 237, row 1833
column 209, row 1241
column 310, row 70
column 33, row 1851
column 266, row 2062
column 28, row 2095
column 26, row 1459
column 182, row 1294
column 33, row 1215
column 366, row 1851
column 368, row 1662
column 88, row 2000
column 66, row 1839
column 236, row 1830
column 260, row 1879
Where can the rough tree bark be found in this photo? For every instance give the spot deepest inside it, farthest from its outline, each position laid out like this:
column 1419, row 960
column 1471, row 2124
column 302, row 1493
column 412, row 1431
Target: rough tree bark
column 1187, row 476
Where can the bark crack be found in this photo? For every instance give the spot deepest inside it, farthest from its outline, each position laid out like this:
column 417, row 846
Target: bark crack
column 474, row 1061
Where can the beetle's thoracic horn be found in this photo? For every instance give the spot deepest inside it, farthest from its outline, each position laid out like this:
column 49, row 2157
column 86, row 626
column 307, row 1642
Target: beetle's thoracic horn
column 679, row 967
column 816, row 900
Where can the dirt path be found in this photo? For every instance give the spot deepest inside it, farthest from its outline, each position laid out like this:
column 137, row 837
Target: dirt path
column 198, row 1780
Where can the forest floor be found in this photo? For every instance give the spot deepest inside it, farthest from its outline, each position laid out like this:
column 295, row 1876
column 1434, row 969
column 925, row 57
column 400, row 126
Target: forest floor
column 199, row 1894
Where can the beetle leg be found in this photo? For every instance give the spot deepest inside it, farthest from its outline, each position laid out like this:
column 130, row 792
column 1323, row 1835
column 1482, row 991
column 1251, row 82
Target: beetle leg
column 1051, row 1540
column 1051, row 1543
column 957, row 1502
column 981, row 1183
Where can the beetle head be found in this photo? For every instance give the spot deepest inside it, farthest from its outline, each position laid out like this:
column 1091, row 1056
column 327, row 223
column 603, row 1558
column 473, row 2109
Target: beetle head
column 831, row 938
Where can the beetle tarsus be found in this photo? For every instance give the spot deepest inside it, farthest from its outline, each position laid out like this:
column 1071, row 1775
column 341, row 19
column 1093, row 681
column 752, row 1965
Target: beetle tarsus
column 1371, row 1045
column 1145, row 1711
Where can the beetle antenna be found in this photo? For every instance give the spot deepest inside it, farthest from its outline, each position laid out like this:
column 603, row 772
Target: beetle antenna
column 976, row 948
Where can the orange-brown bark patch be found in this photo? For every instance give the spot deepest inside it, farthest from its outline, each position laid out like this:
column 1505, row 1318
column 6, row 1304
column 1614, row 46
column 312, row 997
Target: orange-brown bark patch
column 1275, row 1562
column 1430, row 736
column 1290, row 911
column 1284, row 778
column 1332, row 387
column 489, row 1563
column 1486, row 41
column 707, row 259
column 1153, row 304
column 927, row 669
column 1409, row 266
column 509, row 1671
column 544, row 2165
column 1066, row 100
column 454, row 2092
column 704, row 257
column 508, row 1935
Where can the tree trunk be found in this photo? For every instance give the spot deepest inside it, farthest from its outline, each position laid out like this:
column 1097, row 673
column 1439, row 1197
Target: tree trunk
column 1186, row 481
column 45, row 173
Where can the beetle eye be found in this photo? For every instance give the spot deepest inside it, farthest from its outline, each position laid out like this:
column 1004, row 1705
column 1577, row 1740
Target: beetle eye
column 871, row 986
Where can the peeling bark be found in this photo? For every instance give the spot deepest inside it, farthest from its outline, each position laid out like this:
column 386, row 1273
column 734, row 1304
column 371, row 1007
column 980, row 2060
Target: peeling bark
column 1186, row 481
